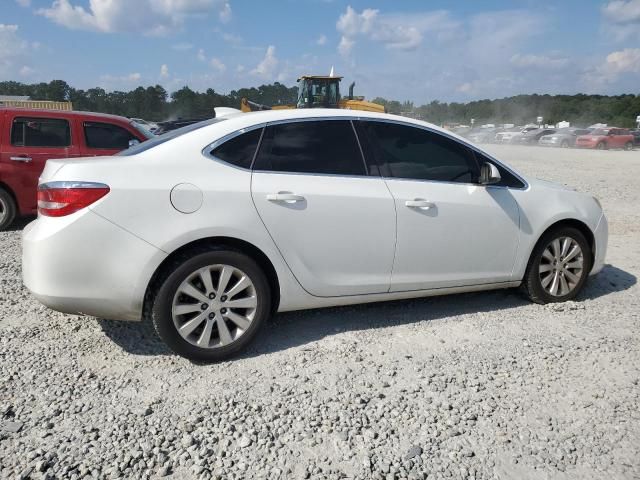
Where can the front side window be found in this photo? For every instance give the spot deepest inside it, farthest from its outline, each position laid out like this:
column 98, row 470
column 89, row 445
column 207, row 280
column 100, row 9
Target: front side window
column 321, row 147
column 107, row 136
column 40, row 132
column 408, row 152
column 239, row 150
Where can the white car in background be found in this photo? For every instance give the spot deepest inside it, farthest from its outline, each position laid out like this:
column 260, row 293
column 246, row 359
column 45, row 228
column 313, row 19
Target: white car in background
column 211, row 229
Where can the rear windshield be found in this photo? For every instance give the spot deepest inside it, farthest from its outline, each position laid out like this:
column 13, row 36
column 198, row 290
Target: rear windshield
column 160, row 139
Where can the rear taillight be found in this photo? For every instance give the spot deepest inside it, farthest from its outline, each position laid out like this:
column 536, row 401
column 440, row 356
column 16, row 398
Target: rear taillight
column 57, row 199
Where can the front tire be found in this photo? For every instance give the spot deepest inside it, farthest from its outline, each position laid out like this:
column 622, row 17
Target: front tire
column 564, row 144
column 628, row 146
column 211, row 304
column 8, row 209
column 601, row 146
column 558, row 267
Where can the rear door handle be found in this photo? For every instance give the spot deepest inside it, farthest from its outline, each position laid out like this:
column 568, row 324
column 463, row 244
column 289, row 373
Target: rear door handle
column 418, row 203
column 285, row 197
column 21, row 159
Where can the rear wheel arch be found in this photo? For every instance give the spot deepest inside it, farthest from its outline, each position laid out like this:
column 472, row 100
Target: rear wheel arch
column 208, row 244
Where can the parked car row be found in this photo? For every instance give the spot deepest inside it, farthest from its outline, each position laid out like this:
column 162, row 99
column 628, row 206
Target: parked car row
column 599, row 138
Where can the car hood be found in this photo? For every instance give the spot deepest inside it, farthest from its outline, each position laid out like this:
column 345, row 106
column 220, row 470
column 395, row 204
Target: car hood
column 538, row 183
column 591, row 137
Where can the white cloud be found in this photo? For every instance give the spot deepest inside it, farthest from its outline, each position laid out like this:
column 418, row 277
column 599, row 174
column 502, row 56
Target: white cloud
column 26, row 71
column 322, row 40
column 266, row 69
column 538, row 61
column 225, row 13
column 622, row 11
column 164, row 71
column 624, row 61
column 120, row 81
column 622, row 19
column 397, row 31
column 240, row 68
column 218, row 65
column 12, row 49
column 345, row 46
column 152, row 17
column 24, row 3
column 201, row 55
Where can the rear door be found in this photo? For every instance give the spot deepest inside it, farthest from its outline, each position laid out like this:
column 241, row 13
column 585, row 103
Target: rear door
column 28, row 141
column 333, row 223
column 104, row 138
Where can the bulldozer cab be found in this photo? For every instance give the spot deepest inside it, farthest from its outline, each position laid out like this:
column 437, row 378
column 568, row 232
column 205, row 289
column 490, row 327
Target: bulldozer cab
column 315, row 91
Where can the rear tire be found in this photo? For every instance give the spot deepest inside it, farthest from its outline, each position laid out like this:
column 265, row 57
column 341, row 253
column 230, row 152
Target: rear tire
column 564, row 144
column 8, row 209
column 569, row 276
column 223, row 328
column 601, row 146
column 628, row 146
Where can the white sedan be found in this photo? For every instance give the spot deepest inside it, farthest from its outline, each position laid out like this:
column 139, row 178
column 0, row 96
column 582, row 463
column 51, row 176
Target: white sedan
column 211, row 229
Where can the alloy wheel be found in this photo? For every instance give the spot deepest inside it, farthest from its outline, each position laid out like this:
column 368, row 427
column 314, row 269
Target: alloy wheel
column 214, row 306
column 4, row 210
column 561, row 266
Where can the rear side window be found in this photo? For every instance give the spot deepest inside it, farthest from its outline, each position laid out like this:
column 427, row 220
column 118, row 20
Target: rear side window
column 408, row 152
column 40, row 132
column 325, row 147
column 239, row 150
column 107, row 136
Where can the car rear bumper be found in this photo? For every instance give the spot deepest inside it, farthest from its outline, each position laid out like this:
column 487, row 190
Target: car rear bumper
column 601, row 236
column 84, row 264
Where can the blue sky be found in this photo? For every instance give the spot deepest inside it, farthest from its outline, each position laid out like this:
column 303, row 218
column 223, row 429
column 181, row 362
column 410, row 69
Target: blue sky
column 405, row 50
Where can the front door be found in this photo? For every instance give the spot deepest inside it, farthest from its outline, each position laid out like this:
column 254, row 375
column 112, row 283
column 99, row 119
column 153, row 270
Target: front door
column 333, row 224
column 451, row 230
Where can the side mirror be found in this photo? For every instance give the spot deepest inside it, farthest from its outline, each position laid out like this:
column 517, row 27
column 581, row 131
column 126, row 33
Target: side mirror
column 489, row 174
column 133, row 142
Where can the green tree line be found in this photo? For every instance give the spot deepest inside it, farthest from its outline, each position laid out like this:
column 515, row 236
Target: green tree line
column 155, row 103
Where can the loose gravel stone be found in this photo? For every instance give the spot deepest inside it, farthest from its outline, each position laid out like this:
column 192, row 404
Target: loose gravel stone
column 476, row 386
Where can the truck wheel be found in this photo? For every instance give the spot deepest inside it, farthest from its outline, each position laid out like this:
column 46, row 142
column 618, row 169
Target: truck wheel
column 628, row 146
column 601, row 146
column 7, row 209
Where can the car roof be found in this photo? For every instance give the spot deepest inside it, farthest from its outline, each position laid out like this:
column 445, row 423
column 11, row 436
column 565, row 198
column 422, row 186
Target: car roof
column 63, row 113
column 243, row 120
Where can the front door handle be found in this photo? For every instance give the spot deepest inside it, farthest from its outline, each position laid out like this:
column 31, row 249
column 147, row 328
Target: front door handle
column 21, row 159
column 285, row 197
column 419, row 203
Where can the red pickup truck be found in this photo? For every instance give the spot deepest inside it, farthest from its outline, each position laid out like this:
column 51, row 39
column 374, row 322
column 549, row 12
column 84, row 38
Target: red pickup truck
column 28, row 138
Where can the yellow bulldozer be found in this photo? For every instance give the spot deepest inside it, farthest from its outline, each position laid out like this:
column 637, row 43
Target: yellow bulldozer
column 319, row 91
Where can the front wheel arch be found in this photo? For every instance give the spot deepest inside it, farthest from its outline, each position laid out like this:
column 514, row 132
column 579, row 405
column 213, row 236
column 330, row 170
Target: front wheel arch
column 570, row 222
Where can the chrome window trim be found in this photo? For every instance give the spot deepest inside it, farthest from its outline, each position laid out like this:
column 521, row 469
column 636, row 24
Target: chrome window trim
column 206, row 151
column 352, row 118
column 315, row 119
column 459, row 141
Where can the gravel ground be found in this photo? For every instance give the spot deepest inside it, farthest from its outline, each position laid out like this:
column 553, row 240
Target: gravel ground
column 478, row 386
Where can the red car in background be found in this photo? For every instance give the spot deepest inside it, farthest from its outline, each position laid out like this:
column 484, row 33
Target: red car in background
column 28, row 138
column 604, row 138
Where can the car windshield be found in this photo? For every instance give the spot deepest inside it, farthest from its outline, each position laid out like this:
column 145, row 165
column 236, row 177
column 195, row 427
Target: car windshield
column 160, row 139
column 600, row 131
